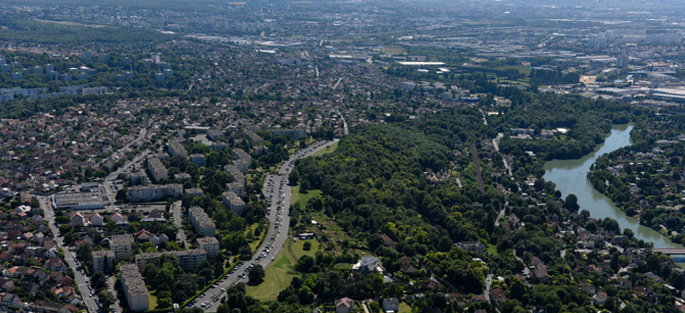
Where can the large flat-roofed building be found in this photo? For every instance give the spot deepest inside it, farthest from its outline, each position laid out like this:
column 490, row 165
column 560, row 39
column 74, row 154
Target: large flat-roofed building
column 157, row 169
column 259, row 150
column 102, row 257
column 175, row 148
column 134, row 287
column 194, row 192
column 241, row 154
column 292, row 133
column 236, row 174
column 139, row 178
column 154, row 192
column 214, row 134
column 189, row 260
column 78, row 201
column 252, row 137
column 219, row 145
column 209, row 244
column 237, row 188
column 233, row 202
column 197, row 159
column 242, row 165
column 121, row 245
column 200, row 221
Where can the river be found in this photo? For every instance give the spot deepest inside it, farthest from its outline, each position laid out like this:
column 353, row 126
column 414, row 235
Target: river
column 570, row 177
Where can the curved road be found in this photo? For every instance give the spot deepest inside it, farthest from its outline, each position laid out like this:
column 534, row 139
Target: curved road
column 276, row 236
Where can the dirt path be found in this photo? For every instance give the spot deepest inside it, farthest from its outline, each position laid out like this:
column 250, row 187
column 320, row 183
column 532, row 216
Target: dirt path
column 476, row 162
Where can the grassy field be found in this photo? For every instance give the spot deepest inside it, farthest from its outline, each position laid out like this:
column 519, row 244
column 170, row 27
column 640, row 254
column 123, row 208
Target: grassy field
column 326, row 150
column 404, row 307
column 299, row 252
column 492, row 249
column 296, row 196
column 153, row 301
column 255, row 243
column 277, row 277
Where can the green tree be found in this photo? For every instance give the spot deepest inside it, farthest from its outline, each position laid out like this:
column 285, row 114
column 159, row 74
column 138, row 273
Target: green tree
column 256, row 274
column 307, row 246
column 106, row 298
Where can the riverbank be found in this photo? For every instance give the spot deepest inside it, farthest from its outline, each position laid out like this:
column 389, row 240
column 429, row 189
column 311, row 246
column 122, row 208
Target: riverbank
column 646, row 181
column 570, row 177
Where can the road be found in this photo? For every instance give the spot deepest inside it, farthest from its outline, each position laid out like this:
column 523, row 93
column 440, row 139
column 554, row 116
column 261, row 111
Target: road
column 277, row 235
column 337, row 83
column 111, row 280
column 79, row 278
column 181, row 236
column 488, row 283
column 344, row 122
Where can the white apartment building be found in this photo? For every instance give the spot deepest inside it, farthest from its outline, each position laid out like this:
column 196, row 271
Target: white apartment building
column 209, row 244
column 134, row 287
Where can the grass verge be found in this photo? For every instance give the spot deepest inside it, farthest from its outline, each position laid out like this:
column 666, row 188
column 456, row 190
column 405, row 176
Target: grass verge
column 326, row 150
column 277, row 277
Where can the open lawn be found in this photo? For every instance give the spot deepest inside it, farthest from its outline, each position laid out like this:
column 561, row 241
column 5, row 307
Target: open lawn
column 326, row 150
column 276, row 277
column 404, row 307
column 153, row 300
column 296, row 196
column 298, row 248
column 492, row 249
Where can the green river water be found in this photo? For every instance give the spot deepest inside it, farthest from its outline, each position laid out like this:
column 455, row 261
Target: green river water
column 570, row 177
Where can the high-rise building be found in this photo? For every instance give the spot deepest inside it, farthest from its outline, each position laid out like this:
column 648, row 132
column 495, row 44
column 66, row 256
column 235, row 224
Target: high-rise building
column 121, row 245
column 134, row 287
column 622, row 61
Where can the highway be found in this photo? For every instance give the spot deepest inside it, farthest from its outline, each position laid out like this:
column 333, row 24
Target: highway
column 79, row 278
column 276, row 236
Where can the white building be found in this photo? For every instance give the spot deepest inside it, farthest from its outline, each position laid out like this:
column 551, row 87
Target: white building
column 209, row 244
column 154, row 192
column 201, row 222
column 157, row 169
column 99, row 258
column 134, row 287
column 233, row 202
column 121, row 245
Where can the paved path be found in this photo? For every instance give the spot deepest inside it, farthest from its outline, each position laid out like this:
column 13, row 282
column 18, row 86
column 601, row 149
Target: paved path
column 344, row 122
column 276, row 236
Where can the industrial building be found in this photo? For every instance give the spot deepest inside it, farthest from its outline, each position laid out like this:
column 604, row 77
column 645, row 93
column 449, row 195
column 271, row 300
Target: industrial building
column 78, row 201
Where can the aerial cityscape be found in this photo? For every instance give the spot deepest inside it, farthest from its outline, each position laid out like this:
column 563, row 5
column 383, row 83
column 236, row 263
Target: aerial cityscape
column 411, row 156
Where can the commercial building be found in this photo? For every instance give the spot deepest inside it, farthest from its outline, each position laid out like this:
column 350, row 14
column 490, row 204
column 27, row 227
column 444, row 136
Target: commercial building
column 134, row 287
column 157, row 169
column 237, row 188
column 100, row 258
column 78, row 201
column 252, row 137
column 189, row 260
column 197, row 159
column 175, row 148
column 233, row 202
column 296, row 133
column 200, row 221
column 237, row 175
column 121, row 245
column 209, row 244
column 154, row 192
